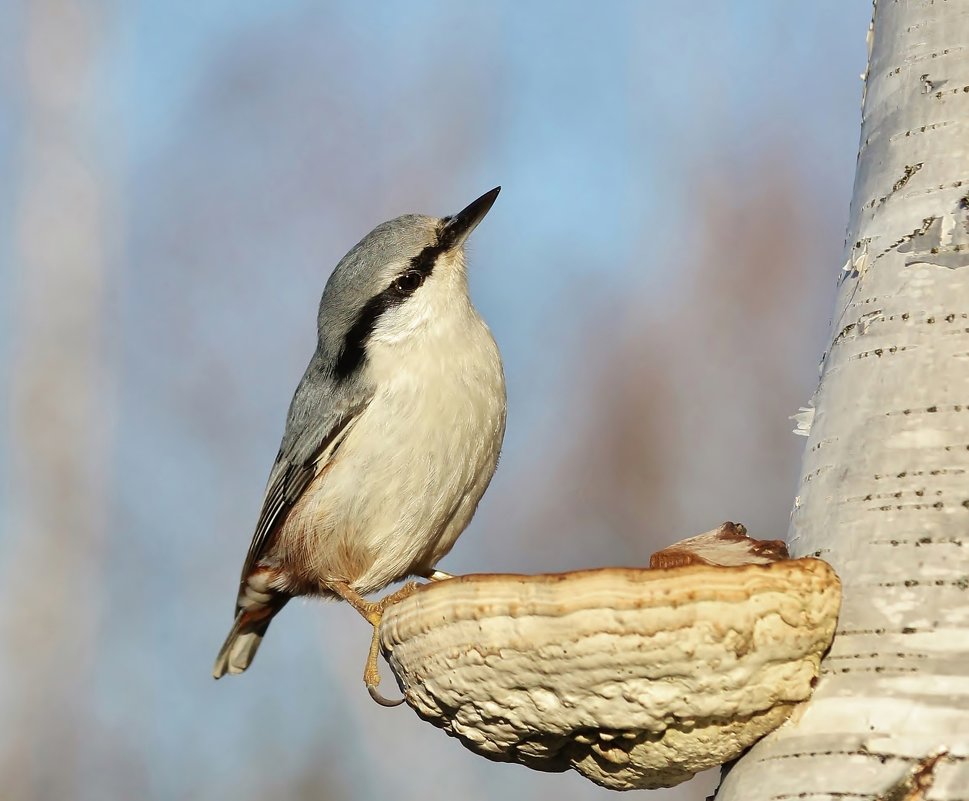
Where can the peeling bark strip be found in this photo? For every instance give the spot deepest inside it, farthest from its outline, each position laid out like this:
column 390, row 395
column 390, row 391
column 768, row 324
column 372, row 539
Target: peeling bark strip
column 883, row 494
column 727, row 545
column 916, row 783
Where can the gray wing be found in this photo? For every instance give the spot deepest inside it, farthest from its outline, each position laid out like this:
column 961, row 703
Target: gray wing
column 319, row 417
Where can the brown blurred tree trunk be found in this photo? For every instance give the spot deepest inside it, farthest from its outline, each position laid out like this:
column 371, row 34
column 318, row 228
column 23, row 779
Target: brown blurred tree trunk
column 59, row 422
column 884, row 492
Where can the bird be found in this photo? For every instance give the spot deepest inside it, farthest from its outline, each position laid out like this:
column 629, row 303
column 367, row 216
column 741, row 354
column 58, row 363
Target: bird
column 391, row 439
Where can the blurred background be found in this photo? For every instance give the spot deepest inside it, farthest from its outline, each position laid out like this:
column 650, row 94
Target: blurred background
column 178, row 179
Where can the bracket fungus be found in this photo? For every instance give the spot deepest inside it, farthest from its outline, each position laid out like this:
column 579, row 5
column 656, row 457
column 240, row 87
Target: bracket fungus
column 635, row 677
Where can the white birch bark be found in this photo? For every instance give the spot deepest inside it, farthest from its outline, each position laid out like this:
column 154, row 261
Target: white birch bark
column 884, row 492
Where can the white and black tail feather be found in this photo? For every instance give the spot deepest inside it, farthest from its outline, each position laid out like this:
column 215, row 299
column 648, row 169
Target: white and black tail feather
column 246, row 635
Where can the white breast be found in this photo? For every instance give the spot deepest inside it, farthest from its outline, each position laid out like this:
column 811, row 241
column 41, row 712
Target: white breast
column 410, row 473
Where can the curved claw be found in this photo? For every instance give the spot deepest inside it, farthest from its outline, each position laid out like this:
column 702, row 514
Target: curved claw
column 375, row 694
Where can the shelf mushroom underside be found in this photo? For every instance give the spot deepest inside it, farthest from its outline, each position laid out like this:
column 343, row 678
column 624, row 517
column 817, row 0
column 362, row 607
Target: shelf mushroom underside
column 635, row 678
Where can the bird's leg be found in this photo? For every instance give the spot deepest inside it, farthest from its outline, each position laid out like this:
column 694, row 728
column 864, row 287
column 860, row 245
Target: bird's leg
column 372, row 613
column 437, row 575
column 368, row 609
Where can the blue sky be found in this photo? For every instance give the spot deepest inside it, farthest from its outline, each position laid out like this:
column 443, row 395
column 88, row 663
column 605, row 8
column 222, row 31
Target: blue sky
column 245, row 147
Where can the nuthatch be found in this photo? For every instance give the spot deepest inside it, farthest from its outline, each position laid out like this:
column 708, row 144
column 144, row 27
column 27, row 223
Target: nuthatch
column 391, row 439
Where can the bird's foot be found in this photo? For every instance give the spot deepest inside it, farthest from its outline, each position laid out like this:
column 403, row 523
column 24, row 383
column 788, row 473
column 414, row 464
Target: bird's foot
column 371, row 673
column 407, row 590
column 438, row 575
column 373, row 612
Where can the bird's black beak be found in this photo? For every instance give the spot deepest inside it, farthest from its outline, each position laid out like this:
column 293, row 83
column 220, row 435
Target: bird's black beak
column 459, row 227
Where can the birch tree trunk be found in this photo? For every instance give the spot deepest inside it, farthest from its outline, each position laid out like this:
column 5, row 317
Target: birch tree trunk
column 884, row 492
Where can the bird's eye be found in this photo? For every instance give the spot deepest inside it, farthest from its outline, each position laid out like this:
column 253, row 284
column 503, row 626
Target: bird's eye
column 409, row 281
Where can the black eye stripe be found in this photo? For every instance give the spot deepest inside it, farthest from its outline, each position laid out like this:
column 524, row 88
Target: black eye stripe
column 352, row 352
column 424, row 261
column 354, row 343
